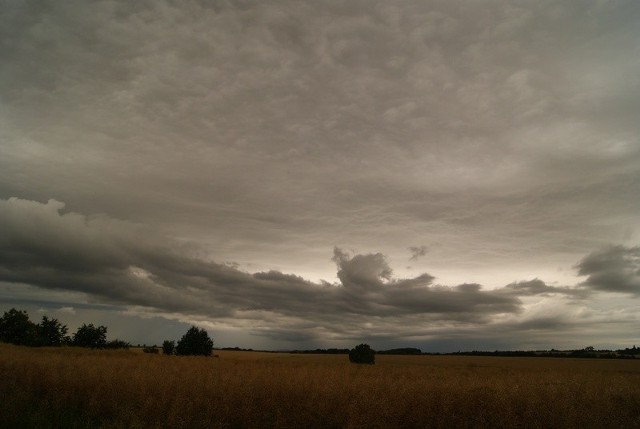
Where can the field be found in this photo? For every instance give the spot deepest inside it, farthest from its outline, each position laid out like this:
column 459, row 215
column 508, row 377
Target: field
column 67, row 387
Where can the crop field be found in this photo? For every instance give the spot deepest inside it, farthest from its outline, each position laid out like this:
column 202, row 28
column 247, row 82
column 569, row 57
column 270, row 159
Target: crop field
column 78, row 388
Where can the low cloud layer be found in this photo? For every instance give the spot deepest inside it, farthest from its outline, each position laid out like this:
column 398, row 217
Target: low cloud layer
column 539, row 287
column 613, row 269
column 122, row 263
column 126, row 263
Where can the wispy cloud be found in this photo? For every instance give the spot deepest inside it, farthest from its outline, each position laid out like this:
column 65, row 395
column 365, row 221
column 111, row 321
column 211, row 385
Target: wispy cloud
column 417, row 252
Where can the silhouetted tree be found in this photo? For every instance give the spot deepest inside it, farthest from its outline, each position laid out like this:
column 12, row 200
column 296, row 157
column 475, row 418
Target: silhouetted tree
column 16, row 328
column 90, row 336
column 50, row 332
column 168, row 347
column 195, row 342
column 362, row 354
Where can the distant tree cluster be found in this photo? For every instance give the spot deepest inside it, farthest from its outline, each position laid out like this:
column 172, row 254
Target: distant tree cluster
column 238, row 349
column 16, row 328
column 634, row 351
column 588, row 352
column 196, row 342
column 332, row 351
column 401, row 351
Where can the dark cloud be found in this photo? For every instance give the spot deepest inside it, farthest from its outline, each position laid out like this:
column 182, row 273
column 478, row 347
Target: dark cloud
column 417, row 252
column 118, row 263
column 538, row 287
column 362, row 272
column 288, row 335
column 124, row 263
column 614, row 269
column 544, row 324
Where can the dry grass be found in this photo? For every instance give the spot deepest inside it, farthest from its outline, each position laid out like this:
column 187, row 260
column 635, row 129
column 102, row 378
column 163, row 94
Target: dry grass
column 121, row 389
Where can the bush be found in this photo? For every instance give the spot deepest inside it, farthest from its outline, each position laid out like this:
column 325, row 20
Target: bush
column 153, row 350
column 195, row 342
column 168, row 347
column 117, row 344
column 362, row 354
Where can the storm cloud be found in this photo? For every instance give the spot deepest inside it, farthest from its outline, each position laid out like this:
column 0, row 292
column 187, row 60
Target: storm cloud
column 538, row 287
column 220, row 159
column 613, row 269
column 124, row 263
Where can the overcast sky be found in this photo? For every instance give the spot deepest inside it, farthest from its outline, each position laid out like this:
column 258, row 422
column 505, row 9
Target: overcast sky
column 289, row 174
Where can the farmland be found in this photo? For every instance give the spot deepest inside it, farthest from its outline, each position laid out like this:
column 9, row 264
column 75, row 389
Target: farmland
column 71, row 387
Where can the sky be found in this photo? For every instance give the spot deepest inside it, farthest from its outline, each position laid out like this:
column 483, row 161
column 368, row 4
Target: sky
column 448, row 175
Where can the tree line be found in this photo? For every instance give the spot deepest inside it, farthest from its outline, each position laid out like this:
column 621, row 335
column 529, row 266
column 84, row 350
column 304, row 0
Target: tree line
column 196, row 342
column 16, row 328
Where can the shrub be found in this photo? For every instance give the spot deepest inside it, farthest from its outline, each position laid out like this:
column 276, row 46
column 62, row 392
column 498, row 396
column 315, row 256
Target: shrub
column 117, row 344
column 153, row 350
column 195, row 342
column 168, row 347
column 362, row 354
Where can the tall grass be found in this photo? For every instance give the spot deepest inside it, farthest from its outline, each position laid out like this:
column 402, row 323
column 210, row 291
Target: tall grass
column 127, row 389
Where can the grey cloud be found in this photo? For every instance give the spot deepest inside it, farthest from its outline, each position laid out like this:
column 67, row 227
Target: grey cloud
column 613, row 269
column 268, row 132
column 545, row 324
column 288, row 335
column 538, row 287
column 462, row 301
column 120, row 263
column 370, row 276
column 223, row 112
column 417, row 252
column 422, row 280
column 361, row 272
column 124, row 263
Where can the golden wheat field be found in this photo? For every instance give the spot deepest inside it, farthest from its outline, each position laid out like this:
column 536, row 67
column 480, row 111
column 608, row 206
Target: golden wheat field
column 67, row 387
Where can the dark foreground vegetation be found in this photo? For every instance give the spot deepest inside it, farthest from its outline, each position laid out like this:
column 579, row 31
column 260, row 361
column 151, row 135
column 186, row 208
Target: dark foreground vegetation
column 16, row 328
column 74, row 387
